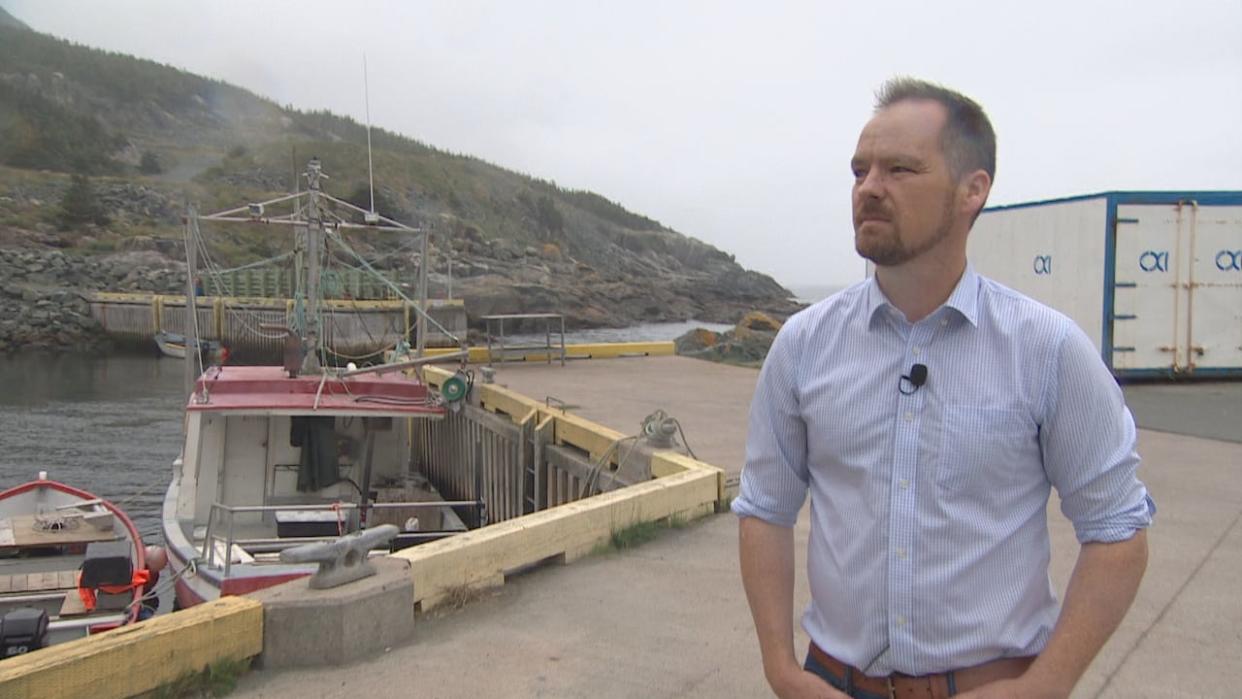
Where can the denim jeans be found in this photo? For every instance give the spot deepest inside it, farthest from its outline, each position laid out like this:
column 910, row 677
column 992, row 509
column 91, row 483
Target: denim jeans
column 846, row 684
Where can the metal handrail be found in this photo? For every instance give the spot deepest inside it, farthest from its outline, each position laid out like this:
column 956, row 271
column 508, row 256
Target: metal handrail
column 209, row 551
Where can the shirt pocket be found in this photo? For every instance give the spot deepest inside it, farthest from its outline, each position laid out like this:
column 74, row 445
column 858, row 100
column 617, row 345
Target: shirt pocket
column 982, row 449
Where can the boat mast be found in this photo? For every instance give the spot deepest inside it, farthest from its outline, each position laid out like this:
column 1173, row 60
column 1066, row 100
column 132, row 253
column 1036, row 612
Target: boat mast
column 314, row 246
column 420, row 342
column 191, row 305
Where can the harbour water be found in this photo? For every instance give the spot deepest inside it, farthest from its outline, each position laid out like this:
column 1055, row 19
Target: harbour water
column 109, row 425
column 112, row 424
column 810, row 293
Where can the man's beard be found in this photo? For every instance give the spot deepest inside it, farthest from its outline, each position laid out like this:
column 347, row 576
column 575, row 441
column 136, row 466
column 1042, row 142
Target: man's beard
column 891, row 251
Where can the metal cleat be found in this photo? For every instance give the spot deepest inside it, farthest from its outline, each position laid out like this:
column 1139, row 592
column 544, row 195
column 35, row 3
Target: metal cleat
column 343, row 560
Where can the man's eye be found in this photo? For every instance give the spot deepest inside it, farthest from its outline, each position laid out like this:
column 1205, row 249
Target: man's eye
column 901, row 169
column 859, row 173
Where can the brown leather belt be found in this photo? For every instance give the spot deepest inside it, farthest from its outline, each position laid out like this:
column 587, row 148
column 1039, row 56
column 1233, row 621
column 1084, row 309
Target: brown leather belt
column 899, row 686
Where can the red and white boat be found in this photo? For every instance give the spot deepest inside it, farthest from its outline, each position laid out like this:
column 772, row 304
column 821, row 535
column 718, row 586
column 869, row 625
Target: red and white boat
column 279, row 456
column 54, row 538
column 272, row 461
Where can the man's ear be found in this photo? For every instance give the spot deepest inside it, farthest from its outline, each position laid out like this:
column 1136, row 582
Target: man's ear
column 974, row 190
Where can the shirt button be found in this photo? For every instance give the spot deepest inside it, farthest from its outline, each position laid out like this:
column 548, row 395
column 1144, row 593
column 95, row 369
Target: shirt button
column 901, row 553
column 915, row 351
column 901, row 620
column 904, row 483
column 908, row 417
column 944, row 322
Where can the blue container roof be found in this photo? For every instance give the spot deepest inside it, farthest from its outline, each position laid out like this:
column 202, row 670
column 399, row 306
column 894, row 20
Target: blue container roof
column 1200, row 196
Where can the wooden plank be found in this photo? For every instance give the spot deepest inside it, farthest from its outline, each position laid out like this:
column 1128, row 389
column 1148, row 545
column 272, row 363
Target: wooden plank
column 569, row 530
column 140, row 657
column 19, row 583
column 497, row 399
column 25, row 534
column 72, row 604
column 586, row 435
column 664, row 463
column 579, row 467
column 6, row 583
column 67, row 579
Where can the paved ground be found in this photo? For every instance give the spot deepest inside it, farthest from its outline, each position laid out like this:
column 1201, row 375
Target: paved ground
column 1211, row 410
column 669, row 619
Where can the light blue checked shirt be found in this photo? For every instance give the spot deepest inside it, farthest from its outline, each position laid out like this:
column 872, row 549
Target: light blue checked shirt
column 929, row 540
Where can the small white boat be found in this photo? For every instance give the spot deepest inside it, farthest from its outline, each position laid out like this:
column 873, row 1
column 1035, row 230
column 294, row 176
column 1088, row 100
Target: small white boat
column 71, row 564
column 173, row 345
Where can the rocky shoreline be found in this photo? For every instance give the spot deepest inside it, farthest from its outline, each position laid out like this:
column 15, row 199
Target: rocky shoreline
column 42, row 295
column 43, row 289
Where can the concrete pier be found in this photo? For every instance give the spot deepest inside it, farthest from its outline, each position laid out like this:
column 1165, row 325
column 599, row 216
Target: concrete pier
column 669, row 619
column 305, row 627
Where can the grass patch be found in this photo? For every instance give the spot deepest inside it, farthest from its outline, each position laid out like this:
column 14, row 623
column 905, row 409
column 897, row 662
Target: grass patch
column 216, row 680
column 640, row 533
column 458, row 596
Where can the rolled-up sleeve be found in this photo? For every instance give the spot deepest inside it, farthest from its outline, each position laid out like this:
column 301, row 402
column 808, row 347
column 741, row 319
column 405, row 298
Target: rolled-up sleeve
column 1089, row 443
column 775, row 477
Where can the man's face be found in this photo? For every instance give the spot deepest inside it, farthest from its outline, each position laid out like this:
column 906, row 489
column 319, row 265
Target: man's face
column 905, row 198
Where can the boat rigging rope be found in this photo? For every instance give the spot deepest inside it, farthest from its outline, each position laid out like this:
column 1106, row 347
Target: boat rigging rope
column 213, row 270
column 260, row 263
column 163, row 585
column 336, row 238
column 142, row 493
column 389, row 400
column 590, row 485
column 331, row 260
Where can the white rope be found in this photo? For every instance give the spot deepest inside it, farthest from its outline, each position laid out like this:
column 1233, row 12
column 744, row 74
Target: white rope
column 427, row 316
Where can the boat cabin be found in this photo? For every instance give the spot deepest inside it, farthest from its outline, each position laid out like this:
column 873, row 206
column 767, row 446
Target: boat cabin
column 272, row 462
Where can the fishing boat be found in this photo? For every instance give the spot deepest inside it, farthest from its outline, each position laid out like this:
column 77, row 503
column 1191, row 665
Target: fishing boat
column 71, row 564
column 279, row 456
column 173, row 345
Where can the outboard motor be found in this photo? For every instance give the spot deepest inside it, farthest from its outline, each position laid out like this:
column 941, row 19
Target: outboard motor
column 22, row 630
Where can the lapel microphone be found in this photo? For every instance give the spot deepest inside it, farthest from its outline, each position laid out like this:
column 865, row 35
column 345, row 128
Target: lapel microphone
column 916, row 378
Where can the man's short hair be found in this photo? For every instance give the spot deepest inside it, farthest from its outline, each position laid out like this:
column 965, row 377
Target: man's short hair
column 967, row 140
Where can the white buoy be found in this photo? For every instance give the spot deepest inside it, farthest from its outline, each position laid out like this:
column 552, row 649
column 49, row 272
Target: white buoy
column 42, row 475
column 351, row 366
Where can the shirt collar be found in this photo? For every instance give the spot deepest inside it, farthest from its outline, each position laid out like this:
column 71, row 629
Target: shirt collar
column 964, row 299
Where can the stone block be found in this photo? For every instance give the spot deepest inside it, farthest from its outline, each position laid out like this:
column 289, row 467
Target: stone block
column 303, row 627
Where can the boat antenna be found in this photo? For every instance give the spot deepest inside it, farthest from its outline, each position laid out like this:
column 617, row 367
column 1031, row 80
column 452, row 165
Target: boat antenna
column 366, row 93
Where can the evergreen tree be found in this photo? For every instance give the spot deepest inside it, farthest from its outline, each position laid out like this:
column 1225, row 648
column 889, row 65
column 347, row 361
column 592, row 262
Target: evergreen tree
column 384, row 204
column 150, row 164
column 549, row 217
column 80, row 205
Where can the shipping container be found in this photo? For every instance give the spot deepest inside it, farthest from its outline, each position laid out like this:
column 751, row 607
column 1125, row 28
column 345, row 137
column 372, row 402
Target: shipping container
column 1153, row 278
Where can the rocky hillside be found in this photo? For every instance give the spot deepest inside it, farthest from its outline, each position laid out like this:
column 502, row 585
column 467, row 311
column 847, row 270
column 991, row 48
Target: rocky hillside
column 151, row 138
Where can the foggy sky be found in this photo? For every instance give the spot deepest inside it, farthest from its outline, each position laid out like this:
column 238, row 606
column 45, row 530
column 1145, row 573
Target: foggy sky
column 730, row 122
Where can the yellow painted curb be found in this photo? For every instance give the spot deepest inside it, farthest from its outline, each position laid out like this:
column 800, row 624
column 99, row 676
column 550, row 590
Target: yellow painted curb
column 140, row 657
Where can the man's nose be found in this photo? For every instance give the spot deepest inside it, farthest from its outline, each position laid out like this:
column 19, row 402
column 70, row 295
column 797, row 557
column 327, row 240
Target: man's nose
column 871, row 185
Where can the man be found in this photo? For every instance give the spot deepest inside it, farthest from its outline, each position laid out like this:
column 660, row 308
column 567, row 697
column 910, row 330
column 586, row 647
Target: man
column 929, row 411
